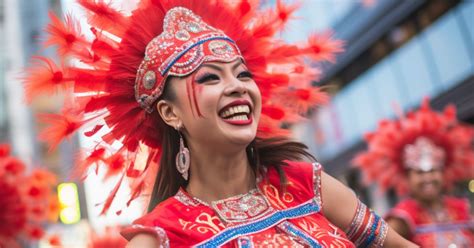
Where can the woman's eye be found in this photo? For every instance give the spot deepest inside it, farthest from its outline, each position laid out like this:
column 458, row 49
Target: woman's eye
column 207, row 78
column 245, row 74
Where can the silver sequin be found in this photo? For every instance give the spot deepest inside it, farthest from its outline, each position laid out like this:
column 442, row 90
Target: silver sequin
column 149, row 80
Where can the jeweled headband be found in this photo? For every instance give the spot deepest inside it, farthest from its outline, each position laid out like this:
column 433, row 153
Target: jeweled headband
column 186, row 42
column 423, row 155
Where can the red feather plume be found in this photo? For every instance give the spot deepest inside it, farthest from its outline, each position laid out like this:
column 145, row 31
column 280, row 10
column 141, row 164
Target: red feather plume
column 45, row 77
column 382, row 162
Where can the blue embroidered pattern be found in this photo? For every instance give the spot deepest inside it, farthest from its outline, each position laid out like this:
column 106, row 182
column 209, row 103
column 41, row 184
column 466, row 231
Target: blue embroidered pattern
column 296, row 232
column 253, row 227
column 190, row 47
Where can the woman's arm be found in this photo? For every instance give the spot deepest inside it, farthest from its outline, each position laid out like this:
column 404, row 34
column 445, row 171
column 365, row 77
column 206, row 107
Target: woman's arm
column 399, row 225
column 144, row 241
column 340, row 205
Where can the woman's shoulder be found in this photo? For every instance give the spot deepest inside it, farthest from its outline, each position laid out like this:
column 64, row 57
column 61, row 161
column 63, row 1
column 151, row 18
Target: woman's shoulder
column 303, row 179
column 150, row 223
column 297, row 169
column 165, row 220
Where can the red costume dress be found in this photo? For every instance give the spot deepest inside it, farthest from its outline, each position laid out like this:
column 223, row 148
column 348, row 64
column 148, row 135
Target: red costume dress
column 264, row 216
column 450, row 225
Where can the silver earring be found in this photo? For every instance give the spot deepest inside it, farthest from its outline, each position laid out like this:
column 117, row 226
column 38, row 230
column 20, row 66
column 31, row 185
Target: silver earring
column 182, row 158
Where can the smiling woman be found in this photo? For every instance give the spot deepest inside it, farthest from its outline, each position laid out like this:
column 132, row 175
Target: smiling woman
column 202, row 88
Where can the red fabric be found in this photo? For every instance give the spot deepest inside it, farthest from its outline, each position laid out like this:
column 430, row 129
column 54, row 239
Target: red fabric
column 188, row 225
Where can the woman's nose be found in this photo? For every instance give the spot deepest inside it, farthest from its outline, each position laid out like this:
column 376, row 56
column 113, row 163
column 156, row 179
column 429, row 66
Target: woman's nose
column 235, row 86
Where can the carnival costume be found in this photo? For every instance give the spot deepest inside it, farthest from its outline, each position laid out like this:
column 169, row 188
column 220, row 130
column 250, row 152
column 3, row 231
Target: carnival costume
column 424, row 140
column 119, row 76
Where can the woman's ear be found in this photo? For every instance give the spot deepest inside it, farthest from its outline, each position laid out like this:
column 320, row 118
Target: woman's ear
column 168, row 113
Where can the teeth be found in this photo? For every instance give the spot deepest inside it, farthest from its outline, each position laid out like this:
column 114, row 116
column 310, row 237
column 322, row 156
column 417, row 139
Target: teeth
column 238, row 118
column 241, row 109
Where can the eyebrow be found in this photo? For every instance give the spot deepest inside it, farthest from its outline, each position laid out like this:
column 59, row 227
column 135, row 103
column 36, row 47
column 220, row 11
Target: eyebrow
column 218, row 68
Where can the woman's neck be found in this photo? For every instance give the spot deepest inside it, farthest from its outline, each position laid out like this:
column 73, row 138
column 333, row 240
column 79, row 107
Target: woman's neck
column 215, row 176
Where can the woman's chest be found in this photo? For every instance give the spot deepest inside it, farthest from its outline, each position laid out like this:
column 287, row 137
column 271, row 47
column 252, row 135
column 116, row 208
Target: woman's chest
column 253, row 220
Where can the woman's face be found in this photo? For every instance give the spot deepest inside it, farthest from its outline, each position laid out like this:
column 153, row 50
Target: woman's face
column 425, row 185
column 219, row 105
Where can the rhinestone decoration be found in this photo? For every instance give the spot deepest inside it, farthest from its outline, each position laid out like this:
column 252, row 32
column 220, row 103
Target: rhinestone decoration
column 219, row 47
column 423, row 155
column 298, row 234
column 149, row 80
column 317, row 183
column 193, row 27
column 182, row 35
column 246, row 207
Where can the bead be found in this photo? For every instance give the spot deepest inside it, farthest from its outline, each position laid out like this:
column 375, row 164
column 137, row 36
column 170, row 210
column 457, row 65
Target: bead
column 182, row 35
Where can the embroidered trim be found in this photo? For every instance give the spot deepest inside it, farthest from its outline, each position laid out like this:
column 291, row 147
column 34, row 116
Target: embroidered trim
column 317, row 183
column 185, row 199
column 273, row 219
column 298, row 234
column 245, row 207
column 157, row 231
column 176, row 57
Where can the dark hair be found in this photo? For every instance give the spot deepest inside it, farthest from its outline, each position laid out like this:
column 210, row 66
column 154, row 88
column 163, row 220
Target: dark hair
column 260, row 152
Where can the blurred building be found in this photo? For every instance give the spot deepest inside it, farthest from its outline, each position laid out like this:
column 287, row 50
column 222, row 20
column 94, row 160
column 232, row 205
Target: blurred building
column 397, row 52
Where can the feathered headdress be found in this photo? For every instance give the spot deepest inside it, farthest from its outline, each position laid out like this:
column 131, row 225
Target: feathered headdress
column 423, row 140
column 117, row 75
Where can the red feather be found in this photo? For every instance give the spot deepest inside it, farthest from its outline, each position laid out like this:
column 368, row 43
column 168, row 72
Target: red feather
column 323, row 47
column 65, row 35
column 112, row 194
column 44, row 77
column 61, row 126
column 104, row 17
column 83, row 164
column 93, row 131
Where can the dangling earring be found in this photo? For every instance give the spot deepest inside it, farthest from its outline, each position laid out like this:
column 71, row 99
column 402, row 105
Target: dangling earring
column 182, row 158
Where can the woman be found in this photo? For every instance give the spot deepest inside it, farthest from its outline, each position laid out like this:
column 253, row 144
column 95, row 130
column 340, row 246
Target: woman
column 430, row 152
column 190, row 69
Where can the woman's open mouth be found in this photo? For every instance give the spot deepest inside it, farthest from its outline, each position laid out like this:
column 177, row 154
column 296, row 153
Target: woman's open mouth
column 237, row 113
